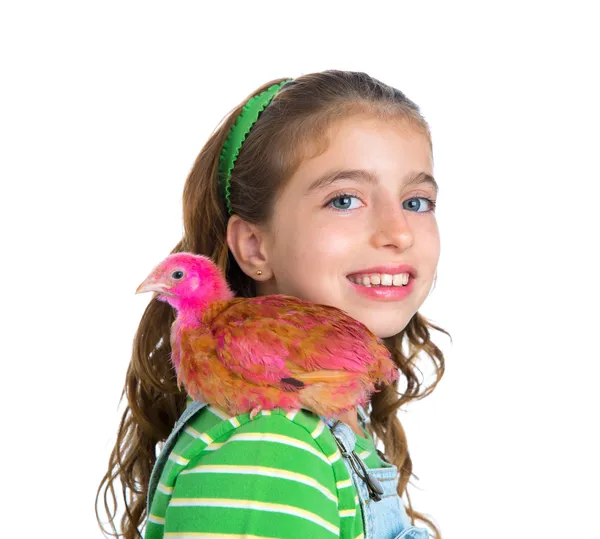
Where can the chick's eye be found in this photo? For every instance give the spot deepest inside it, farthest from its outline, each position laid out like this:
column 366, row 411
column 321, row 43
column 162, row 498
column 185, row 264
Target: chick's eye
column 177, row 274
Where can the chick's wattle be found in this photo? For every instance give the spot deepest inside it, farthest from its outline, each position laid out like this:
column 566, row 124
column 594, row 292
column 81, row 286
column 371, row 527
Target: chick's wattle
column 274, row 351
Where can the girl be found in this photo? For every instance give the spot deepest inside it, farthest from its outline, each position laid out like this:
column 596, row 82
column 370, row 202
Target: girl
column 331, row 199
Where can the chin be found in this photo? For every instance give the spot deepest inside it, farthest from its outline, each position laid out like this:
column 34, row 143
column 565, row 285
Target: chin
column 385, row 333
column 384, row 329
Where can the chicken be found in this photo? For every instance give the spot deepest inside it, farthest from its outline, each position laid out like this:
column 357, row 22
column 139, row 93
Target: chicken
column 276, row 351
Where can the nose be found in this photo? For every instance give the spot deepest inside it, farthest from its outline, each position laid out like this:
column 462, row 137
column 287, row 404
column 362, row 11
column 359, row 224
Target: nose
column 392, row 228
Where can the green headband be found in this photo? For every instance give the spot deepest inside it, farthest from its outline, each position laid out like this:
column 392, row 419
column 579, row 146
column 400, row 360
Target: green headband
column 247, row 118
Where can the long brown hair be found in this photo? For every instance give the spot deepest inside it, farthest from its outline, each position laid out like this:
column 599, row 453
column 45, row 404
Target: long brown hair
column 293, row 125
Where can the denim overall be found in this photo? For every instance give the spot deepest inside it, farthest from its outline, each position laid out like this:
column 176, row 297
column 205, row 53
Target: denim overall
column 384, row 519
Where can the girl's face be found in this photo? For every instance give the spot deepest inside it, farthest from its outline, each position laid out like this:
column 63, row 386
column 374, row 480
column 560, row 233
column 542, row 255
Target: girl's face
column 322, row 234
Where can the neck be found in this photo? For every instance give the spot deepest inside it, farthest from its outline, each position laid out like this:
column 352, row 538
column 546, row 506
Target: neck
column 189, row 310
column 351, row 419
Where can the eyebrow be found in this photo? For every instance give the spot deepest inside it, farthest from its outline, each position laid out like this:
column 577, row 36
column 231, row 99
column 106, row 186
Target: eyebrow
column 364, row 176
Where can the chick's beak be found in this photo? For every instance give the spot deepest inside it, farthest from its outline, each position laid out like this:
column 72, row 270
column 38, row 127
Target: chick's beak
column 152, row 285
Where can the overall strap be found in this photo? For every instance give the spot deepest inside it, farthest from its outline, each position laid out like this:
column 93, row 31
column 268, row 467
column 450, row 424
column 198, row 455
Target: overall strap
column 363, row 416
column 343, row 431
column 346, row 440
column 187, row 414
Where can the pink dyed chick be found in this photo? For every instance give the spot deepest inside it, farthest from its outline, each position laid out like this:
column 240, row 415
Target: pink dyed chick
column 247, row 354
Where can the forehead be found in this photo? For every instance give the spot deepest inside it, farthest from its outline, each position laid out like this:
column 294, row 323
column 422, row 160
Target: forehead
column 385, row 146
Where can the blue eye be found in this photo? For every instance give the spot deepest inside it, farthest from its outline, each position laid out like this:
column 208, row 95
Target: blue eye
column 346, row 202
column 429, row 201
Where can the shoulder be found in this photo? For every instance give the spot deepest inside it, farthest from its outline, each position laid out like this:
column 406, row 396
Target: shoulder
column 296, row 445
column 269, row 436
column 280, row 465
column 272, row 463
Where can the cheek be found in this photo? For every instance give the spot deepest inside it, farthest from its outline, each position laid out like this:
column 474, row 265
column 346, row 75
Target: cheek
column 429, row 245
column 321, row 246
column 308, row 253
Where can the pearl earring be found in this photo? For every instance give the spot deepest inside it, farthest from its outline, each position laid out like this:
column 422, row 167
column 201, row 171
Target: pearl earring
column 259, row 272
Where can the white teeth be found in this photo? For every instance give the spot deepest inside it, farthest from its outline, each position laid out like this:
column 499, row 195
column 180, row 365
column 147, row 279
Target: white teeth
column 384, row 279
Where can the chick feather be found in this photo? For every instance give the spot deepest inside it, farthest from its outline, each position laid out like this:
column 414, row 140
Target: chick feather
column 275, row 351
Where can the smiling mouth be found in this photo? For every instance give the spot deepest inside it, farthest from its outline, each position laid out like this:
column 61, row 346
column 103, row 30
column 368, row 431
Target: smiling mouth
column 385, row 280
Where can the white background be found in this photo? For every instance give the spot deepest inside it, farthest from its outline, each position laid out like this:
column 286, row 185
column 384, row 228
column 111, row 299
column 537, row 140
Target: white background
column 104, row 107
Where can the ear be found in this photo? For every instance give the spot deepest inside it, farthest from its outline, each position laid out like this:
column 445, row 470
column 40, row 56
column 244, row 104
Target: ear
column 247, row 244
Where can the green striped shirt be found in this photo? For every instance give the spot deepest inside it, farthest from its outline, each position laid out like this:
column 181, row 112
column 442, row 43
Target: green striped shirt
column 279, row 475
